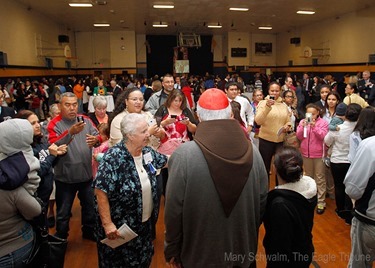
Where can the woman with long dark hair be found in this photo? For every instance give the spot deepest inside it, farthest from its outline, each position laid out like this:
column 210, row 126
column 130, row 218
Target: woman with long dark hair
column 364, row 129
column 331, row 102
column 45, row 153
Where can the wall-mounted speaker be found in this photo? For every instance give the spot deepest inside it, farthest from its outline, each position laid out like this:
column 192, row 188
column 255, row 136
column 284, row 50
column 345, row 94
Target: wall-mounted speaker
column 68, row 64
column 49, row 63
column 290, row 63
column 63, row 38
column 295, row 40
column 314, row 62
column 371, row 58
column 3, row 59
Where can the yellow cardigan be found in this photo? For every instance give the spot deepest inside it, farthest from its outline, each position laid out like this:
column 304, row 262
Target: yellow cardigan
column 355, row 98
column 271, row 119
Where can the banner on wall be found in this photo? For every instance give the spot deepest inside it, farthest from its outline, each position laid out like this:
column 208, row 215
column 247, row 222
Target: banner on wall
column 181, row 66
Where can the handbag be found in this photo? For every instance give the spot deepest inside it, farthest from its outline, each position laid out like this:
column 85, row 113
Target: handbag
column 291, row 139
column 48, row 250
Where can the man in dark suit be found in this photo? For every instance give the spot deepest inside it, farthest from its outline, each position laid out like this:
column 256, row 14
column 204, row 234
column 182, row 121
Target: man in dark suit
column 5, row 112
column 307, row 88
column 365, row 85
column 371, row 99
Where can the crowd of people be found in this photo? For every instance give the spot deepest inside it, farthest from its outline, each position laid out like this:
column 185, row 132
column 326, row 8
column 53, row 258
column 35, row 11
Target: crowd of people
column 208, row 145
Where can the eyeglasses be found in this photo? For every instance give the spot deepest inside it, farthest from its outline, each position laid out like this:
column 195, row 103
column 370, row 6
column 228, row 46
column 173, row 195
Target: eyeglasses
column 136, row 99
column 291, row 97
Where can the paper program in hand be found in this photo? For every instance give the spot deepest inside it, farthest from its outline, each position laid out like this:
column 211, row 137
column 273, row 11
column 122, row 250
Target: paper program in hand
column 126, row 234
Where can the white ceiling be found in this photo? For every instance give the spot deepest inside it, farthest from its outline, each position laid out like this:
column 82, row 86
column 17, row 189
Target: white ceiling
column 191, row 15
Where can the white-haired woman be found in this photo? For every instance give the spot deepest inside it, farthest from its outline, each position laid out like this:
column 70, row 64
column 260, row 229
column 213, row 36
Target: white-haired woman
column 100, row 114
column 126, row 192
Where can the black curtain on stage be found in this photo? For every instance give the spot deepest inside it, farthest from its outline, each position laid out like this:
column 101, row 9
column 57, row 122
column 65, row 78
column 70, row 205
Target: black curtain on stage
column 201, row 59
column 160, row 55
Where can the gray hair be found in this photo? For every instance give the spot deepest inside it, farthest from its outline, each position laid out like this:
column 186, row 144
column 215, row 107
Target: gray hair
column 130, row 123
column 99, row 101
column 67, row 95
column 53, row 109
column 206, row 115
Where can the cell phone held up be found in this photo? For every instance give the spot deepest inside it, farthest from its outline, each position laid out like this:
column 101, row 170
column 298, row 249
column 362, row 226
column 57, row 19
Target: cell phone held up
column 272, row 97
column 80, row 118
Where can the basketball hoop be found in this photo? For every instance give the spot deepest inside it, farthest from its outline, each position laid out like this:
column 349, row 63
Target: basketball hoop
column 190, row 42
column 307, row 52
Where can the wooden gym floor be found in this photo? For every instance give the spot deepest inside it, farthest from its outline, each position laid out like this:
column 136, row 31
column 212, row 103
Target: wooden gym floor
column 331, row 238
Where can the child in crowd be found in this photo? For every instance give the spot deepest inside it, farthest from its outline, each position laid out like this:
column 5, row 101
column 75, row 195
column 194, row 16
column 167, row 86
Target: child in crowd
column 18, row 166
column 339, row 117
column 311, row 132
column 98, row 152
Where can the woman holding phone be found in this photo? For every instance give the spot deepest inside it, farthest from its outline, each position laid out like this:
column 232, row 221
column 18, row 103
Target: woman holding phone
column 273, row 117
column 176, row 119
column 178, row 123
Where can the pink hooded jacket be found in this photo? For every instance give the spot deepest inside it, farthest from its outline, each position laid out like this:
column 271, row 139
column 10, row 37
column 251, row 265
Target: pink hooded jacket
column 312, row 145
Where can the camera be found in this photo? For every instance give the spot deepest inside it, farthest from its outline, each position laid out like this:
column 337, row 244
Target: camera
column 80, row 118
column 173, row 116
column 151, row 122
column 272, row 97
column 308, row 118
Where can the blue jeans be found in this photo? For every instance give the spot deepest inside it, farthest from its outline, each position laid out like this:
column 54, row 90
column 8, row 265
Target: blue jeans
column 363, row 245
column 16, row 258
column 65, row 194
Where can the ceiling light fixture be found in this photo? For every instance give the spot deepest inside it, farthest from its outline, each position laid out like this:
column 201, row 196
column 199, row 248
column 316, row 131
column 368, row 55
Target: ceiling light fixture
column 238, row 9
column 305, row 12
column 265, row 28
column 101, row 25
column 163, row 6
column 215, row 26
column 160, row 24
column 80, row 4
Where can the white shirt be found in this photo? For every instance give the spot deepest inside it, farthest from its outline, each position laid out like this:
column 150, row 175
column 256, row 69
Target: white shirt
column 354, row 141
column 362, row 168
column 147, row 204
column 340, row 142
column 247, row 112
